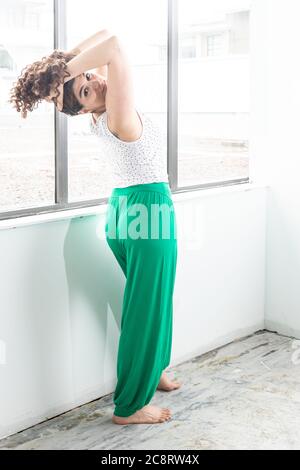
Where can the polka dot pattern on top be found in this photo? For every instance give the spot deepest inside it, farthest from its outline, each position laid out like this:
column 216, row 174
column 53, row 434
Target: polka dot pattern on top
column 137, row 162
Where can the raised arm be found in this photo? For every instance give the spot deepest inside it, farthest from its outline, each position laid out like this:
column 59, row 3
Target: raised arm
column 92, row 41
column 92, row 58
column 120, row 103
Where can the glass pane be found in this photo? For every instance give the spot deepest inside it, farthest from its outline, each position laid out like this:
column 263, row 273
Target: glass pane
column 215, row 44
column 145, row 41
column 27, row 171
column 214, row 91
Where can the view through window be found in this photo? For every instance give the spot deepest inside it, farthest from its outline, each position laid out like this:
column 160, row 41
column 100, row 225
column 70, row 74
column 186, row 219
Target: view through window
column 27, row 146
column 213, row 91
column 143, row 40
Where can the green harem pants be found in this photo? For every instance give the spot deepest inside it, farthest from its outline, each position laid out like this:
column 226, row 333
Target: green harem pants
column 142, row 234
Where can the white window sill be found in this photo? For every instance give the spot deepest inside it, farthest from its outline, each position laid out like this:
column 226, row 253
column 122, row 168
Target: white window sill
column 101, row 209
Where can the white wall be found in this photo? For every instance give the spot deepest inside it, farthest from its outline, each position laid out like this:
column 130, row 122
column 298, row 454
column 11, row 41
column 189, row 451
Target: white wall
column 275, row 153
column 61, row 298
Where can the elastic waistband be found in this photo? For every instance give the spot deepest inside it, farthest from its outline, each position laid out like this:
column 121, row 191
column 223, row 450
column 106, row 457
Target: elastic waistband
column 161, row 187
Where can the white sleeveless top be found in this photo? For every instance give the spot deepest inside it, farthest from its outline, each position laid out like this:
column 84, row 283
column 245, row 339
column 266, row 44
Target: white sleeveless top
column 137, row 162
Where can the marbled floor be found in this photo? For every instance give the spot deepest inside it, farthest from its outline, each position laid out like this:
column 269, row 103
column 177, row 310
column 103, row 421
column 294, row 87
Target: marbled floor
column 245, row 395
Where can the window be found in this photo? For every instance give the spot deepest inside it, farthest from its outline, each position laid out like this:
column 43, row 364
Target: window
column 51, row 162
column 215, row 44
column 162, row 53
column 146, row 43
column 27, row 146
column 6, row 61
column 187, row 47
column 213, row 94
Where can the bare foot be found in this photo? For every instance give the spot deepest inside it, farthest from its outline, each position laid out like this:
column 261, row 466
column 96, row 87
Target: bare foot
column 167, row 384
column 148, row 414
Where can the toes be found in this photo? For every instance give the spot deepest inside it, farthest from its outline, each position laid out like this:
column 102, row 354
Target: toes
column 163, row 418
column 176, row 385
column 166, row 414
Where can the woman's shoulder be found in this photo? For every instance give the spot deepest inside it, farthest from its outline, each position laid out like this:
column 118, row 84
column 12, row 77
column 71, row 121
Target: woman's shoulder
column 99, row 126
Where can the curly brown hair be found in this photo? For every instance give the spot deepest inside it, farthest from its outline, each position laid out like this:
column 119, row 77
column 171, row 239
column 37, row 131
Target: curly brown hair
column 38, row 79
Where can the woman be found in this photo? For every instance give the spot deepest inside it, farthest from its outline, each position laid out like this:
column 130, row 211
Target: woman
column 134, row 146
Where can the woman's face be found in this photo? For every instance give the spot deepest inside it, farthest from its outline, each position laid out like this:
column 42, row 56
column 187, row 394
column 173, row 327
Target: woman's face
column 90, row 91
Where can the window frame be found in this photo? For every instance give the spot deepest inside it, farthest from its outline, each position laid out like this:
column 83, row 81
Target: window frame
column 61, row 127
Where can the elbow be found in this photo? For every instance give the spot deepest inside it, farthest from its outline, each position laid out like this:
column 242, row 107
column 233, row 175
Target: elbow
column 115, row 39
column 107, row 33
column 115, row 44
